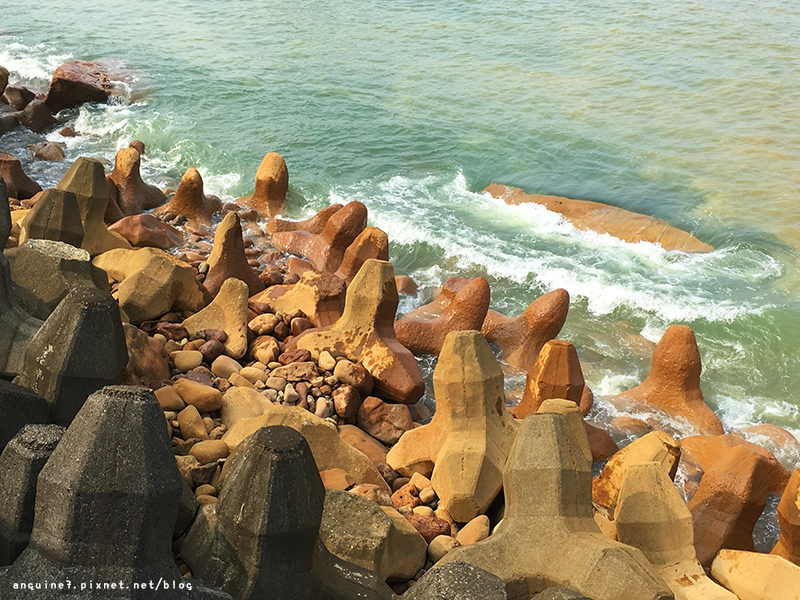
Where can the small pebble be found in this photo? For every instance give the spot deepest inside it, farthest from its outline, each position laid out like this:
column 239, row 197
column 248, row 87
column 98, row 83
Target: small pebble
column 205, row 490
column 186, row 360
column 423, row 511
column 427, row 495
column 276, row 383
column 290, row 395
column 326, row 361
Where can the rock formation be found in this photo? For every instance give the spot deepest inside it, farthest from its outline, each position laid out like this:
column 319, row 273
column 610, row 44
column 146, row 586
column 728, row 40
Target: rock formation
column 228, row 313
column 370, row 243
column 18, row 184
column 752, row 576
column 145, row 230
column 76, row 82
column 313, row 225
column 56, row 216
column 272, row 184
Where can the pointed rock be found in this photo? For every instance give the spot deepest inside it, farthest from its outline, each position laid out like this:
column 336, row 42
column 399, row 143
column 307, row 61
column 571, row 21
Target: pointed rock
column 466, row 312
column 370, row 243
column 151, row 282
column 314, row 225
column 145, row 230
column 148, row 362
column 86, row 178
column 189, row 201
column 548, row 536
column 18, row 184
column 272, row 183
column 319, row 295
column 788, row 545
column 228, row 313
column 521, row 338
column 753, row 576
column 673, row 384
column 365, row 333
column 133, row 194
column 55, row 216
column 227, row 259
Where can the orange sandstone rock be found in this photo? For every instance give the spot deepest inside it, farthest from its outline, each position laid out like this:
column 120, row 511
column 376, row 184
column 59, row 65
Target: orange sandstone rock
column 466, row 311
column 370, row 243
column 521, row 338
column 601, row 443
column 189, row 201
column 272, row 183
column 228, row 259
column 314, row 225
column 673, row 384
column 443, row 299
column 365, row 334
column 788, row 545
column 145, row 230
column 133, row 195
column 319, row 295
column 227, row 312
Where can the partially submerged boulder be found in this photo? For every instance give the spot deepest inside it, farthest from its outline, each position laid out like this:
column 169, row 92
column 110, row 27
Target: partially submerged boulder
column 76, row 82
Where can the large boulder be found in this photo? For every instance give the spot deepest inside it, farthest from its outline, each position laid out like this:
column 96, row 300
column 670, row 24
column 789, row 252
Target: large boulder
column 131, row 194
column 145, row 230
column 76, row 82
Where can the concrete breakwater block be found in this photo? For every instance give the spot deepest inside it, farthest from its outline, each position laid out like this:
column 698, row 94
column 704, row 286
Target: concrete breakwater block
column 457, row 581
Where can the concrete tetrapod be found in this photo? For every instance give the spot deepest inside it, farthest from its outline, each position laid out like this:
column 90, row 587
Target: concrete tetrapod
column 106, row 506
column 227, row 258
column 365, row 333
column 55, row 216
column 788, row 545
column 548, row 536
column 652, row 516
column 262, row 540
column 457, row 581
column 272, row 183
column 314, row 224
column 228, row 312
column 467, row 442
column 466, row 312
column 20, row 464
column 190, row 200
column 133, row 195
column 319, row 295
column 370, row 243
column 19, row 406
column 754, row 576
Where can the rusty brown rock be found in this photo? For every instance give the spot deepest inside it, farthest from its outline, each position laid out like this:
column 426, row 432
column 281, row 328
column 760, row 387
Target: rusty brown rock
column 314, row 225
column 429, row 527
column 347, row 402
column 18, row 184
column 189, row 201
column 555, row 374
column 673, row 384
column 228, row 259
column 406, row 285
column 788, row 545
column 370, row 243
column 728, row 502
column 272, row 183
column 319, row 295
column 386, row 422
column 521, row 338
column 133, row 195
column 601, row 443
column 466, row 311
column 407, row 495
column 365, row 443
column 49, row 151
column 76, row 82
column 442, row 300
column 147, row 358
column 145, row 230
column 326, row 251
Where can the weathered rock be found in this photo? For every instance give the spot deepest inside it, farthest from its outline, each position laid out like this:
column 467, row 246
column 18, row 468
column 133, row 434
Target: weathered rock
column 555, row 374
column 466, row 311
column 79, row 349
column 209, row 451
column 457, row 581
column 242, row 403
column 147, row 358
column 272, row 183
column 373, row 493
column 133, row 195
column 753, row 576
column 650, row 515
column 442, row 300
column 363, row 442
column 673, row 384
column 151, row 282
column 18, row 184
column 656, row 446
column 365, row 333
column 467, row 442
column 189, row 201
column 385, row 422
column 370, row 243
column 728, row 502
column 350, row 373
column 20, row 464
column 8, row 122
column 429, row 526
column 559, row 593
column 86, row 178
column 314, row 225
column 406, row 285
column 319, row 295
column 6, row 223
column 271, row 548
column 191, row 426
column 602, row 444
column 169, row 399
column 521, row 338
column 35, row 116
column 227, row 312
column 788, row 545
column 702, row 451
column 100, row 490
column 49, row 151
column 547, row 486
column 361, row 532
column 204, row 398
column 227, row 259
column 76, row 82
column 51, row 269
column 330, row 452
column 145, row 230
column 3, row 79
column 56, row 216
column 604, row 218
column 17, row 97
column 326, row 251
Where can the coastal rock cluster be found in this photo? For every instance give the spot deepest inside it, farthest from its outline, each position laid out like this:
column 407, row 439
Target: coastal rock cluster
column 223, row 401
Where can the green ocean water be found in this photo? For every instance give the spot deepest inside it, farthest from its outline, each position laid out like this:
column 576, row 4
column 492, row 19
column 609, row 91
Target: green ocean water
column 686, row 111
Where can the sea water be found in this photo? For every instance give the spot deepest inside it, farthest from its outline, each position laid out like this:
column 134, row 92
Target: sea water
column 686, row 111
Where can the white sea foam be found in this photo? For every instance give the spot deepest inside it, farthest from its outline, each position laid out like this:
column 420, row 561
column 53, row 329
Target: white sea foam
column 31, row 66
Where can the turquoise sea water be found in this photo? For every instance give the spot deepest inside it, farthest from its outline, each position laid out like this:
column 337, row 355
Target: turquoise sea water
column 687, row 111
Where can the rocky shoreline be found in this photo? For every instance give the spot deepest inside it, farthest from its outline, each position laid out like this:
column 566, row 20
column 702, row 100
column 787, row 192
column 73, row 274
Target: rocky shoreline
column 298, row 460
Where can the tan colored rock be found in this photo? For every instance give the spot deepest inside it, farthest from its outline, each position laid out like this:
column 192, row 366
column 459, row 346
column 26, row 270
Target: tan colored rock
column 319, row 295
column 372, row 492
column 203, row 397
column 570, row 410
column 147, row 359
column 314, row 225
column 189, row 201
column 521, row 338
column 326, row 251
column 467, row 442
column 297, row 371
column 55, row 216
column 133, row 195
column 370, row 243
column 18, row 184
column 228, row 259
column 440, row 546
column 650, row 515
column 264, row 349
column 228, row 312
column 263, row 324
column 656, row 446
column 328, row 449
column 151, row 282
column 555, row 374
column 788, row 545
column 385, row 422
column 466, row 311
column 603, row 218
column 350, row 373
column 673, row 384
column 335, row 479
column 186, row 360
column 191, row 424
column 209, row 451
column 272, row 183
column 702, row 451
column 223, row 366
column 728, row 502
column 475, row 531
column 145, row 230
column 753, row 576
column 169, row 399
column 86, row 178
column 365, row 333
column 363, row 442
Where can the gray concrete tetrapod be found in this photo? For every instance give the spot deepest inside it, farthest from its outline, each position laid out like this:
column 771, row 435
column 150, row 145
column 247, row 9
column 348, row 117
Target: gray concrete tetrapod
column 548, row 537
column 457, row 581
column 261, row 539
column 19, row 407
column 106, row 503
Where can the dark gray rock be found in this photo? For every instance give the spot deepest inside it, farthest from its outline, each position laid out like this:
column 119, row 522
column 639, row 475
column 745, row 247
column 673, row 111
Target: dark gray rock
column 260, row 540
column 8, row 121
column 560, row 593
column 18, row 97
column 20, row 464
column 3, row 79
column 36, row 117
column 51, row 269
column 19, row 407
column 17, row 326
column 106, row 505
column 187, row 509
column 55, row 216
column 457, row 581
column 79, row 349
